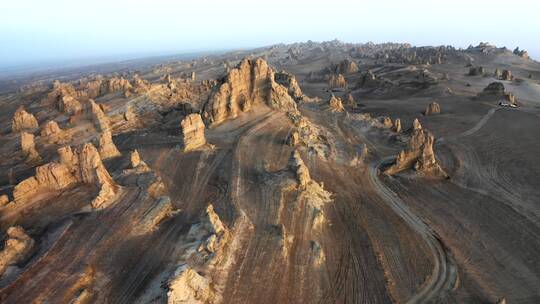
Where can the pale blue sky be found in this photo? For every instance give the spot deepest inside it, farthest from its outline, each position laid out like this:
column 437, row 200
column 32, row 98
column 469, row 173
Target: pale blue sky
column 34, row 31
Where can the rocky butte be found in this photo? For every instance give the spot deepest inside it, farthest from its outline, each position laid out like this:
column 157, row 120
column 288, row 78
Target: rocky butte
column 252, row 82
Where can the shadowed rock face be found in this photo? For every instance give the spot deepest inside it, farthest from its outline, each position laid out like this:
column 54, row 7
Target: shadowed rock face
column 251, row 82
column 193, row 132
column 101, row 121
column 17, row 247
column 23, row 120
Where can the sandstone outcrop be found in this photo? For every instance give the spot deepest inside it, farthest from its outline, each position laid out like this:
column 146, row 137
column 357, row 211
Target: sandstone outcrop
column 497, row 74
column 28, row 147
column 251, row 82
column 349, row 100
column 335, row 104
column 49, row 177
column 432, row 109
column 418, row 155
column 52, row 133
column 289, row 81
column 69, row 105
column 294, row 138
column 118, row 84
column 4, row 200
column 476, row 71
column 82, row 166
column 107, row 148
column 387, row 122
column 416, row 124
column 296, row 164
column 218, row 233
column 101, row 120
column 397, row 125
column 193, row 132
column 337, row 81
column 507, row 75
column 346, row 67
column 23, row 121
column 17, row 248
column 189, row 287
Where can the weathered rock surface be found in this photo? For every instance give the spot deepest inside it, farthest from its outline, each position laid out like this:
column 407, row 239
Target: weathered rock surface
column 335, row 104
column 349, row 101
column 69, row 105
column 251, row 82
column 476, row 71
column 28, row 147
column 193, row 132
column 17, row 248
column 418, row 155
column 189, row 287
column 23, row 120
column 507, row 75
column 107, row 148
column 52, row 133
column 337, row 81
column 4, row 200
column 346, row 67
column 289, row 81
column 296, row 164
column 82, row 166
column 218, row 233
column 494, row 89
column 432, row 109
column 387, row 122
column 101, row 120
column 397, row 125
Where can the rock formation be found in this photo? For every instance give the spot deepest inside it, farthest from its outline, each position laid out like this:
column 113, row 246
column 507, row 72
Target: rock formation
column 23, row 121
column 193, row 132
column 494, row 89
column 17, row 248
column 346, row 67
column 28, row 147
column 387, row 122
column 337, row 82
column 218, row 233
column 476, row 71
column 397, row 125
column 188, row 286
column 251, row 82
column 296, row 164
column 335, row 104
column 416, row 124
column 521, row 53
column 52, row 133
column 4, row 200
column 118, row 84
column 69, row 105
column 294, row 138
column 49, row 177
column 349, row 100
column 418, row 155
column 83, row 166
column 507, row 75
column 101, row 121
column 368, row 79
column 289, row 81
column 432, row 109
column 107, row 148
column 497, row 74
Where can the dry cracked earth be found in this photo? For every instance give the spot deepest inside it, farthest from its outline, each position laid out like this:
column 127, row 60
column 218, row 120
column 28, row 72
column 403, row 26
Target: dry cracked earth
column 302, row 173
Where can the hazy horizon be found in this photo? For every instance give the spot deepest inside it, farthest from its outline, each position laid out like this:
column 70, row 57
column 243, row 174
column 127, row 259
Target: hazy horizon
column 37, row 32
